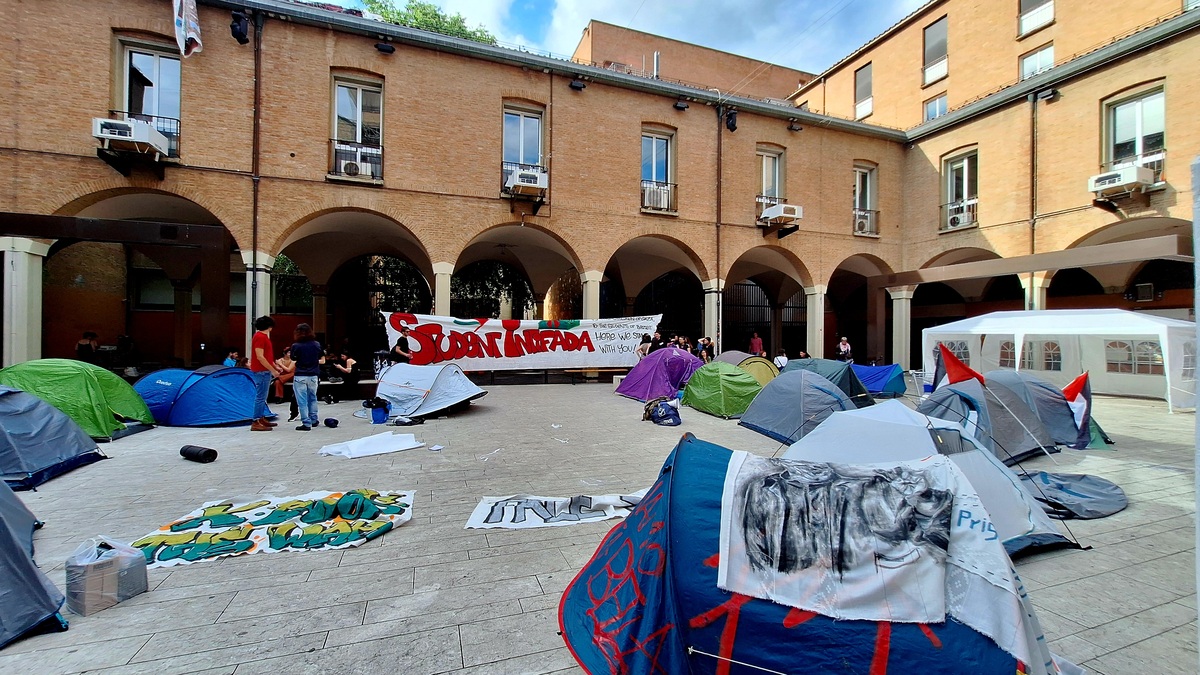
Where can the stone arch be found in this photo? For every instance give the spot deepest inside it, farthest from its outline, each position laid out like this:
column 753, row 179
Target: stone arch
column 762, row 259
column 273, row 242
column 86, row 195
column 685, row 256
column 324, row 240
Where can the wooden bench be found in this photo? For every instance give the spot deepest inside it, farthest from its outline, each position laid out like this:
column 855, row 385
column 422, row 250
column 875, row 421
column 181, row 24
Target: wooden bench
column 585, row 374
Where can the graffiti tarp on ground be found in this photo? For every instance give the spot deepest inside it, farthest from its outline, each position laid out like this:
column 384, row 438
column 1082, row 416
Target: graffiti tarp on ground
column 511, row 344
column 310, row 522
column 522, row 511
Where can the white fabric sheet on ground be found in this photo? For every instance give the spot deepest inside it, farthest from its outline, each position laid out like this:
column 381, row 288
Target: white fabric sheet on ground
column 378, row 444
column 913, row 544
column 524, row 511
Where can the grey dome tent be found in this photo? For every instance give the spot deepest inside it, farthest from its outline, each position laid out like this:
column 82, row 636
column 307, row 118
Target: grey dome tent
column 38, row 441
column 27, row 598
column 1044, row 399
column 995, row 416
column 792, row 405
column 840, row 373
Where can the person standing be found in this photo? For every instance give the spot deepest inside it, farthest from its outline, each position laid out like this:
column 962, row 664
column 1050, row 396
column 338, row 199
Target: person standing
column 309, row 356
column 86, row 348
column 263, row 368
column 781, row 359
column 656, row 343
column 844, row 353
column 756, row 345
column 401, row 352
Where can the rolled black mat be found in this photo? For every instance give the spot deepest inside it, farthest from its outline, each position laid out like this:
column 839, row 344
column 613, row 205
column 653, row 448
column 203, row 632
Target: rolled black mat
column 198, row 454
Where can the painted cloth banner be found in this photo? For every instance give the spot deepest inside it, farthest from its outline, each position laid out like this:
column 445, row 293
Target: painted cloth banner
column 510, row 344
column 906, row 542
column 187, row 27
column 521, row 511
column 309, row 522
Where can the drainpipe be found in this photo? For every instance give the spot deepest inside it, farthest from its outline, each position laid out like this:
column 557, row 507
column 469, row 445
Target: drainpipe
column 718, row 289
column 1033, row 192
column 259, row 18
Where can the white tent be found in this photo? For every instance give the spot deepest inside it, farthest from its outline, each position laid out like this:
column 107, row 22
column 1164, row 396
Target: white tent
column 416, row 391
column 1126, row 353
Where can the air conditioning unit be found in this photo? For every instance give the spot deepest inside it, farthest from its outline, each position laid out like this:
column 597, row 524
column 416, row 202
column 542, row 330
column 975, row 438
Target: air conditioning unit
column 1124, row 179
column 131, row 135
column 531, row 181
column 657, row 197
column 960, row 220
column 781, row 213
column 349, row 168
column 862, row 226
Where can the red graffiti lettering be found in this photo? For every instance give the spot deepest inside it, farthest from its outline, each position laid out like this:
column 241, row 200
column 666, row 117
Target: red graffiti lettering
column 433, row 343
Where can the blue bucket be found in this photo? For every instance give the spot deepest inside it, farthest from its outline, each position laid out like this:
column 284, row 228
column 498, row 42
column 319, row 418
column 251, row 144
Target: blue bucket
column 379, row 415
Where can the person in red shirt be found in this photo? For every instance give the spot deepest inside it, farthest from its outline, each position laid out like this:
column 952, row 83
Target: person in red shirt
column 756, row 345
column 262, row 364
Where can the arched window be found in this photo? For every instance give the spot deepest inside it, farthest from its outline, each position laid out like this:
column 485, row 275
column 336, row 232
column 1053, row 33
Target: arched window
column 1051, row 356
column 1118, row 356
column 1008, row 354
column 1189, row 361
column 1147, row 358
column 958, row 348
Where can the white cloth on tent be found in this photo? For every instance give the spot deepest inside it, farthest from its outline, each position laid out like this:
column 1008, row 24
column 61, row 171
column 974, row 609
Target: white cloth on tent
column 416, row 391
column 914, row 545
column 378, row 444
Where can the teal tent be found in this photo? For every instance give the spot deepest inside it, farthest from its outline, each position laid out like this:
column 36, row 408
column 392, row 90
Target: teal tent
column 882, row 381
column 721, row 389
column 98, row 400
column 839, row 373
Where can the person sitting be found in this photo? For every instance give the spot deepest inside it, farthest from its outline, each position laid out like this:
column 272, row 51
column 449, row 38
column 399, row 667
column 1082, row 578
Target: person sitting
column 781, row 359
column 343, row 367
column 86, row 348
column 287, row 371
column 231, row 360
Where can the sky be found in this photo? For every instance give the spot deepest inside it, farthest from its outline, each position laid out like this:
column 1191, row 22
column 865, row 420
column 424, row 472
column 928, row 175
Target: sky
column 808, row 35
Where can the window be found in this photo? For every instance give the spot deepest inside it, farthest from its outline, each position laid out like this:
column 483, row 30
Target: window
column 935, row 107
column 522, row 137
column 958, row 348
column 1051, row 356
column 770, row 180
column 936, row 64
column 1034, row 15
column 1141, row 358
column 962, row 190
column 1136, row 130
column 1189, row 360
column 863, row 101
column 865, row 215
column 357, row 130
column 1191, row 4
column 658, row 192
column 151, row 91
column 1008, row 355
column 1037, row 62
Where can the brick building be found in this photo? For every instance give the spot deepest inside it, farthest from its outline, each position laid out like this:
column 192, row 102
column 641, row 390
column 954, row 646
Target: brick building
column 330, row 138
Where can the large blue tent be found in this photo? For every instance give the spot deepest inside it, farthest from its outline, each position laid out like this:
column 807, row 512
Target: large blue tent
column 882, row 381
column 205, row 397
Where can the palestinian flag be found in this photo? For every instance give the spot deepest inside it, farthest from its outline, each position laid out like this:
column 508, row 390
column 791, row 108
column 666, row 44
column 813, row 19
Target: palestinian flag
column 950, row 369
column 1079, row 397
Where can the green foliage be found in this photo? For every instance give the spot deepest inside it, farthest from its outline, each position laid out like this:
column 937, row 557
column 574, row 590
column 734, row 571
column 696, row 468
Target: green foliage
column 478, row 287
column 430, row 17
column 293, row 292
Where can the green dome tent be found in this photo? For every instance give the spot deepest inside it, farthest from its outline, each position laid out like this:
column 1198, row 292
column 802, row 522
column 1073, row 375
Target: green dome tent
column 98, row 400
column 721, row 389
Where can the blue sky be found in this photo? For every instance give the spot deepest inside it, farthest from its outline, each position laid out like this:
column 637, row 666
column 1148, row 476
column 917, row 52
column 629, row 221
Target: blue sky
column 809, row 35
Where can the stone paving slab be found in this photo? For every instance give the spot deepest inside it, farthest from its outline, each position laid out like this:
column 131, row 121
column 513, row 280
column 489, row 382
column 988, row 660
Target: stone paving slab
column 432, row 597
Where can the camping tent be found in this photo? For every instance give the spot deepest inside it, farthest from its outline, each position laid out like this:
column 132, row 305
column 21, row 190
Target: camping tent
column 840, row 373
column 1127, row 353
column 995, row 416
column 38, row 441
column 29, row 598
column 732, row 356
column 762, row 369
column 648, row 601
column 882, row 381
column 721, row 389
column 662, row 373
column 792, row 405
column 1045, row 400
column 892, row 431
column 417, row 391
column 205, row 397
column 98, row 400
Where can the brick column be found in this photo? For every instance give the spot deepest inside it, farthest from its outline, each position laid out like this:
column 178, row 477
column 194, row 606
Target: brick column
column 815, row 301
column 902, row 324
column 22, row 260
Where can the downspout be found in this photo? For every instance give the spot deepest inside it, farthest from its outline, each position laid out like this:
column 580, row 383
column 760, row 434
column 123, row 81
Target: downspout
column 1033, row 190
column 718, row 289
column 259, row 19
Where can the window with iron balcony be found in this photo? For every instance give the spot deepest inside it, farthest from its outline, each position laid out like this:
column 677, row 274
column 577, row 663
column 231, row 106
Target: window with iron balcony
column 522, row 172
column 356, row 148
column 961, row 175
column 864, row 211
column 657, row 191
column 1135, row 131
column 150, row 89
column 771, row 178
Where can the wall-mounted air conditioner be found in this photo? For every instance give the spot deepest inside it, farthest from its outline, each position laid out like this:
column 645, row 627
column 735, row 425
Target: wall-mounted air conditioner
column 527, row 181
column 349, row 168
column 960, row 220
column 1124, row 179
column 781, row 213
column 657, row 197
column 862, row 226
column 130, row 135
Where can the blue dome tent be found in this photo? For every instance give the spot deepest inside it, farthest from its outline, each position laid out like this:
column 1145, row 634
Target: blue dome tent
column 205, row 397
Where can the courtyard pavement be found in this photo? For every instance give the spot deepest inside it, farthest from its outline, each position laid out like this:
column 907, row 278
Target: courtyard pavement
column 432, row 597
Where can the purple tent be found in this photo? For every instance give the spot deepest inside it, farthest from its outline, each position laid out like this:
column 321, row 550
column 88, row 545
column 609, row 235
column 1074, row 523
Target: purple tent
column 663, row 373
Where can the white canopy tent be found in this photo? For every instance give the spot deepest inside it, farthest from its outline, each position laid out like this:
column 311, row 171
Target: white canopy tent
column 1126, row 353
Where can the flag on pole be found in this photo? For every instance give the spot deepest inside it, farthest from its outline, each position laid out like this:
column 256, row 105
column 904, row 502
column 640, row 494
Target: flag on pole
column 1079, row 397
column 950, row 369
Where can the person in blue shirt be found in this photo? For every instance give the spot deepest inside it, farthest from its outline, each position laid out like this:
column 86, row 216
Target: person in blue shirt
column 232, row 359
column 308, row 355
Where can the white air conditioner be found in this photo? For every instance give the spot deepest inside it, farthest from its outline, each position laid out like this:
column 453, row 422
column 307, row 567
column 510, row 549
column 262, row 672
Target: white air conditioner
column 528, row 181
column 781, row 213
column 1121, row 180
column 349, row 168
column 862, row 226
column 132, row 135
column 960, row 220
column 657, row 197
